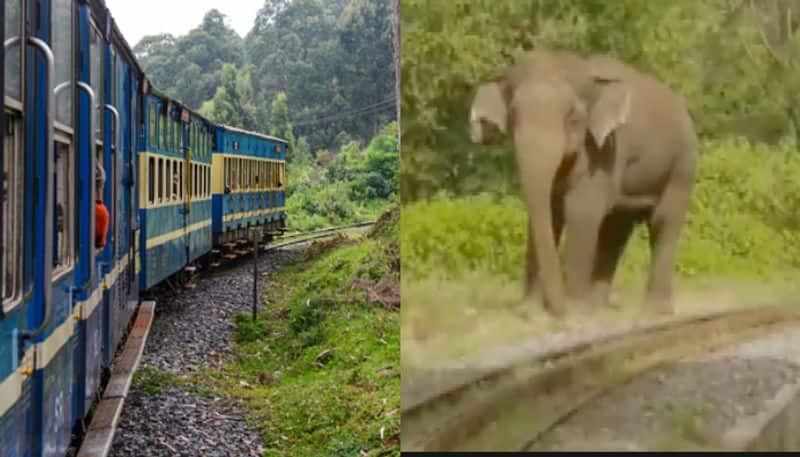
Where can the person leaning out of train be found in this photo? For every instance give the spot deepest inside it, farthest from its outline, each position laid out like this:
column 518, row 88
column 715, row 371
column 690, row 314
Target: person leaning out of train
column 101, row 213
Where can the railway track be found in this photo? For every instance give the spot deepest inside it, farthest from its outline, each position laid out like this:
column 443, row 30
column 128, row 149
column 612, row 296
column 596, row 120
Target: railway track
column 100, row 432
column 509, row 405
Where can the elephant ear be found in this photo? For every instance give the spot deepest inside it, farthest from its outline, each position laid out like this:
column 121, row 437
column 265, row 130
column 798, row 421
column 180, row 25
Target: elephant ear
column 610, row 110
column 490, row 105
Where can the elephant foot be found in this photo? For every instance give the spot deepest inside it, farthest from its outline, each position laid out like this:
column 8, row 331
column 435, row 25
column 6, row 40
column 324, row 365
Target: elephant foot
column 555, row 308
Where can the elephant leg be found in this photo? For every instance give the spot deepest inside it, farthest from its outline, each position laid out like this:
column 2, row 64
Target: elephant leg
column 583, row 217
column 614, row 235
column 531, row 265
column 665, row 227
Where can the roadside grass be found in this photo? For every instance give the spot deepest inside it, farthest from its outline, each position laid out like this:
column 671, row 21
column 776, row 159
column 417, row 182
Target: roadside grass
column 319, row 368
column 463, row 257
column 153, row 382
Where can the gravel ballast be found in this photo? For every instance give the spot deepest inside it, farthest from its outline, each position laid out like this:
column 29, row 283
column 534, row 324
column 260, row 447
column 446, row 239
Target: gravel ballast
column 193, row 331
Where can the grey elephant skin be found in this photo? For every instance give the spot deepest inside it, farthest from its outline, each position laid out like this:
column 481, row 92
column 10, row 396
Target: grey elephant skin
column 600, row 147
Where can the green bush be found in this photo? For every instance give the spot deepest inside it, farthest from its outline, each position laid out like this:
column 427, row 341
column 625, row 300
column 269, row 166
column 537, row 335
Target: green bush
column 743, row 221
column 352, row 185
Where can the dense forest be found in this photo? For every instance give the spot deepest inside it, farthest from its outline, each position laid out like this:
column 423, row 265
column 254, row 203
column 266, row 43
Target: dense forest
column 317, row 69
column 735, row 61
column 320, row 74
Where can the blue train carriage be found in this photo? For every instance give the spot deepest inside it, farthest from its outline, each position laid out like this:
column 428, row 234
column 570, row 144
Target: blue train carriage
column 175, row 195
column 248, row 184
column 70, row 103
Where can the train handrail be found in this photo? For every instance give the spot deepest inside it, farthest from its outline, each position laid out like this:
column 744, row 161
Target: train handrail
column 93, row 164
column 93, row 185
column 49, row 194
column 117, row 150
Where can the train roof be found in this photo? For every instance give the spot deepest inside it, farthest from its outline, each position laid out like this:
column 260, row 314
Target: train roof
column 105, row 20
column 255, row 134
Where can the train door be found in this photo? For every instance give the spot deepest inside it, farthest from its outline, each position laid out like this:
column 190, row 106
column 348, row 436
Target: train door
column 16, row 233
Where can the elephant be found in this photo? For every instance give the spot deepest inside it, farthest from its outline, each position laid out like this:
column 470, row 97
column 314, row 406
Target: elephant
column 601, row 146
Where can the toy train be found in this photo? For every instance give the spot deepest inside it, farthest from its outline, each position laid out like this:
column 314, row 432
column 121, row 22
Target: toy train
column 177, row 187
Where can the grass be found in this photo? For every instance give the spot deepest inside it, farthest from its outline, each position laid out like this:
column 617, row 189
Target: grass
column 319, row 369
column 153, row 382
column 463, row 257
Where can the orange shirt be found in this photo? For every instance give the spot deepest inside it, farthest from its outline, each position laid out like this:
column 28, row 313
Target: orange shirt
column 101, row 227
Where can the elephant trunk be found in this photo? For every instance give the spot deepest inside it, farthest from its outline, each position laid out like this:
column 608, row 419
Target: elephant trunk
column 539, row 155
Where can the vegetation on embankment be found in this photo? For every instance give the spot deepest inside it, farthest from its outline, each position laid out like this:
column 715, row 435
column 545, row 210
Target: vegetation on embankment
column 743, row 221
column 319, row 369
column 740, row 246
column 347, row 186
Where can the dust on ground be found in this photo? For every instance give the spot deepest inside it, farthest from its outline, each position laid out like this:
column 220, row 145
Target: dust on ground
column 454, row 321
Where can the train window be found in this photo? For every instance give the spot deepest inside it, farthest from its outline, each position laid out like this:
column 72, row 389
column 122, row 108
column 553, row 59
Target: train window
column 12, row 61
column 181, row 187
column 151, row 185
column 238, row 174
column 62, row 52
column 11, row 199
column 64, row 208
column 181, row 180
column 282, row 176
column 232, row 174
column 96, row 68
column 248, row 177
column 153, row 126
column 199, row 180
column 160, row 180
column 226, row 166
column 170, row 177
column 173, row 193
column 113, row 78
